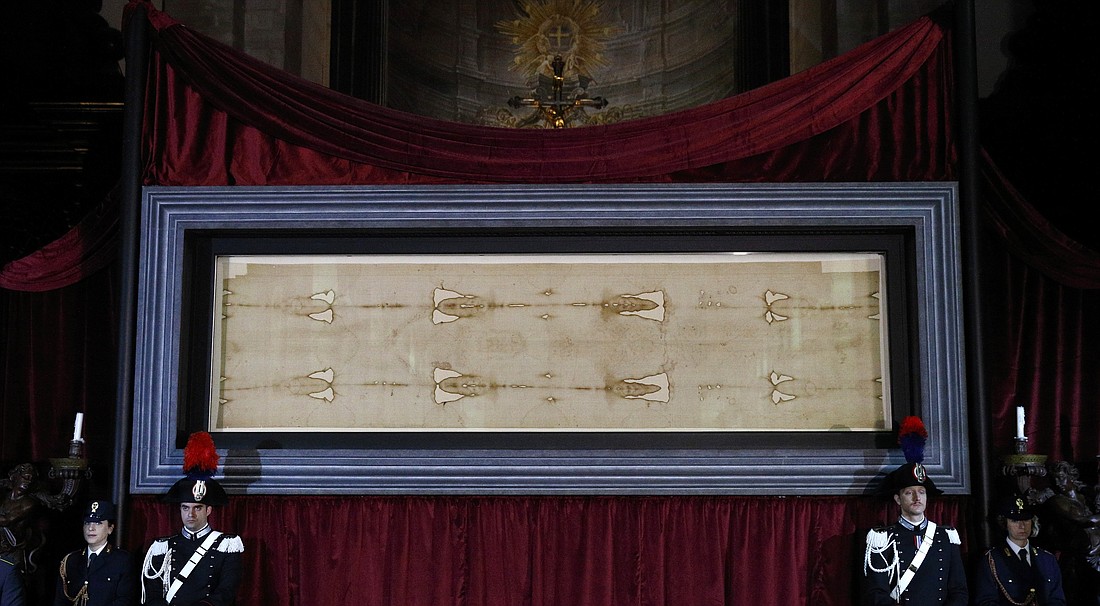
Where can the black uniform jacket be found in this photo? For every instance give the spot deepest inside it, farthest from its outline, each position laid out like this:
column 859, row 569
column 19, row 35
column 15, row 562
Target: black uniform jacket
column 941, row 578
column 110, row 580
column 213, row 581
column 1001, row 572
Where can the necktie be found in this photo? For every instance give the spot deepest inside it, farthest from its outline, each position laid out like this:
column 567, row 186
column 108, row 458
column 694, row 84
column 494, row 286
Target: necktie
column 1023, row 556
column 91, row 559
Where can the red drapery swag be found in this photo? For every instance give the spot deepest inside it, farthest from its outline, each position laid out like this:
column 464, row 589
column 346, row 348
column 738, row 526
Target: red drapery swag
column 882, row 112
column 217, row 117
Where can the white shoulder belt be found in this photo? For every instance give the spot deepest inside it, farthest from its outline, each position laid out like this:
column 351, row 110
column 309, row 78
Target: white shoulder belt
column 918, row 559
column 192, row 562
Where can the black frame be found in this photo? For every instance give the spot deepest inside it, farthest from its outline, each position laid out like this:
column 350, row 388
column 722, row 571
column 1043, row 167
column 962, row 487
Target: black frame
column 913, row 225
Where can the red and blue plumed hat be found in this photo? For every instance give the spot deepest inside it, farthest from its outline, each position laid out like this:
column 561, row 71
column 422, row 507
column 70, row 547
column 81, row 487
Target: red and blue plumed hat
column 911, row 436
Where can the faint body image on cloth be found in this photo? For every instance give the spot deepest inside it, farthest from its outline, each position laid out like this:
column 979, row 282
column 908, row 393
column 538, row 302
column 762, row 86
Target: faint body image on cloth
column 660, row 342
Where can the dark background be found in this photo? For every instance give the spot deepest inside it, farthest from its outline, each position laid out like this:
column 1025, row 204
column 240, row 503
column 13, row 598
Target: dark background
column 60, row 112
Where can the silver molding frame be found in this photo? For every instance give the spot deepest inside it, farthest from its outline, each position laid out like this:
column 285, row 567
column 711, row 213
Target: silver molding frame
column 928, row 211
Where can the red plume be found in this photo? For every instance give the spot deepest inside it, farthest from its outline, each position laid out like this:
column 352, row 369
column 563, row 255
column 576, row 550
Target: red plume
column 200, row 458
column 913, row 425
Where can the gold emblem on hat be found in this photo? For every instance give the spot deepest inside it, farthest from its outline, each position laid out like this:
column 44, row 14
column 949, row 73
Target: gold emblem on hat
column 95, row 506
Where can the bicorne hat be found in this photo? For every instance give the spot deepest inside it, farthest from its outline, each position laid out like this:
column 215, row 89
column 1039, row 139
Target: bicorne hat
column 911, row 436
column 200, row 461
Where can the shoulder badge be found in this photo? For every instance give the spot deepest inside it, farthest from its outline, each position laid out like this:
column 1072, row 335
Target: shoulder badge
column 952, row 535
column 231, row 543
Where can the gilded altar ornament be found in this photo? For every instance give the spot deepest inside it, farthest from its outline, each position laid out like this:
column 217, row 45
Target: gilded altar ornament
column 1022, row 465
column 559, row 43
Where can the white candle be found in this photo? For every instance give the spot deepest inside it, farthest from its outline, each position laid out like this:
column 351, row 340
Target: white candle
column 1020, row 422
column 78, row 426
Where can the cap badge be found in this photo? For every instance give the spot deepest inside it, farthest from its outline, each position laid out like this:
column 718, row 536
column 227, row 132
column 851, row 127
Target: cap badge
column 1019, row 504
column 199, row 490
column 919, row 473
column 95, row 506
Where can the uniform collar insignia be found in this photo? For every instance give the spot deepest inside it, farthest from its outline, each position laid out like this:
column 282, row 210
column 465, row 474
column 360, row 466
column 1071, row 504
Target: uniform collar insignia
column 194, row 536
column 911, row 526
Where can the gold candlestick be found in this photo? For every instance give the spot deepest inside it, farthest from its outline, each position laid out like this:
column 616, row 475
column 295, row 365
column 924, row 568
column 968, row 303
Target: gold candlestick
column 1024, row 466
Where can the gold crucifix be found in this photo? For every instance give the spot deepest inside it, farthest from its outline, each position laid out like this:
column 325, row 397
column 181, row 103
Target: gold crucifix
column 557, row 109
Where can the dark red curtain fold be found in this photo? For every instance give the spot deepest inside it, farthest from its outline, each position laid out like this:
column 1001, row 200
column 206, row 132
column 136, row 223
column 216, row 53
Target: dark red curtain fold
column 86, row 249
column 520, row 551
column 1028, row 236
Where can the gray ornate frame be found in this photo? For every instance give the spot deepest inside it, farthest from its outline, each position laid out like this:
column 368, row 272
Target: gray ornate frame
column 927, row 364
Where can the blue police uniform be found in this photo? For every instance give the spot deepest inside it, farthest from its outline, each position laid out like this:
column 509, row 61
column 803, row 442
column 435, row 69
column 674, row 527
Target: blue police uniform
column 108, row 581
column 1001, row 578
column 11, row 584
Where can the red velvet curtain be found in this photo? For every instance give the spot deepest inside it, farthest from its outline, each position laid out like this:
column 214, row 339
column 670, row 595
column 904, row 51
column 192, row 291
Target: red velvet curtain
column 57, row 358
column 879, row 113
column 58, row 350
column 518, row 551
column 1042, row 292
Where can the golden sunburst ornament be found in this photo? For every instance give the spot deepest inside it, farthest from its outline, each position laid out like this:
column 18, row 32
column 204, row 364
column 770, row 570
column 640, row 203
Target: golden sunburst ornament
column 570, row 29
